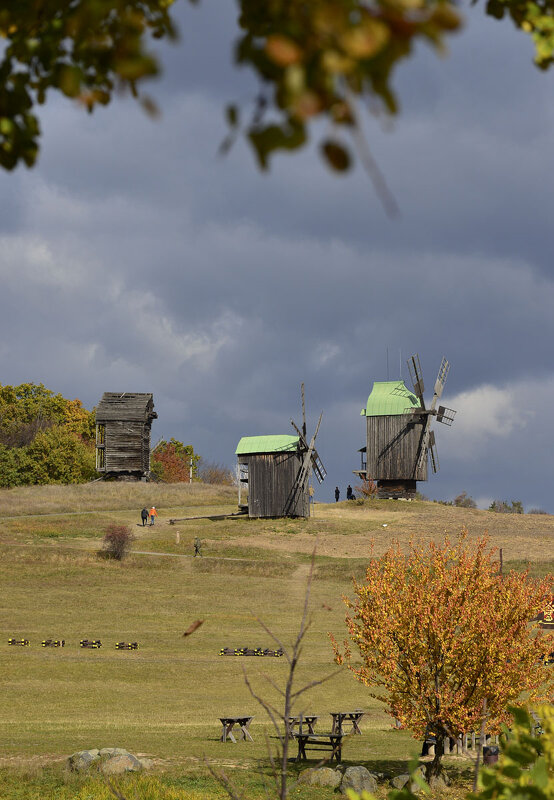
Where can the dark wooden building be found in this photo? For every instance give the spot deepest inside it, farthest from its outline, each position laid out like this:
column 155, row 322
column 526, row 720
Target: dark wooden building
column 394, row 434
column 123, row 422
column 272, row 477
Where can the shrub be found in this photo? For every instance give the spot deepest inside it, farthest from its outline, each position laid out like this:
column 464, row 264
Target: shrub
column 367, row 488
column 463, row 500
column 503, row 507
column 212, row 472
column 537, row 511
column 117, row 542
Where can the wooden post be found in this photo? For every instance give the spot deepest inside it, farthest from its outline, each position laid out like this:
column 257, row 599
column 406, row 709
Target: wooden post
column 177, row 537
column 501, row 561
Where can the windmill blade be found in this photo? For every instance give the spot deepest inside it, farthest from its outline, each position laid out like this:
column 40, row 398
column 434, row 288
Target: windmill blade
column 416, row 375
column 434, row 456
column 304, row 470
column 303, row 410
column 317, row 467
column 424, row 447
column 445, row 415
column 301, row 436
column 441, row 377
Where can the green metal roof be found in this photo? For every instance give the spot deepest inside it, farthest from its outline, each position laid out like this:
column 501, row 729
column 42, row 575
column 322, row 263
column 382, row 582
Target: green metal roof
column 389, row 398
column 280, row 443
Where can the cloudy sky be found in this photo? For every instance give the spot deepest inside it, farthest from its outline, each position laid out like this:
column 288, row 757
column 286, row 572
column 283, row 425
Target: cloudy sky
column 133, row 258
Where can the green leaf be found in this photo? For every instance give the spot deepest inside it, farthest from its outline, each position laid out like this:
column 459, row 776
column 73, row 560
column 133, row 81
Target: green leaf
column 336, row 155
column 539, row 773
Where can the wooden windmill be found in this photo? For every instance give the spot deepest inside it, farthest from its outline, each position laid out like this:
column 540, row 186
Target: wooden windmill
column 275, row 471
column 400, row 441
column 123, row 423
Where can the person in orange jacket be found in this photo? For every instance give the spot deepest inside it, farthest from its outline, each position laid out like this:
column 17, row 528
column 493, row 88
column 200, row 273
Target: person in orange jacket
column 153, row 513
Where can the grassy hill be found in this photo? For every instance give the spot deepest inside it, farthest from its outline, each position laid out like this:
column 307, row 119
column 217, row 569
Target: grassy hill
column 165, row 699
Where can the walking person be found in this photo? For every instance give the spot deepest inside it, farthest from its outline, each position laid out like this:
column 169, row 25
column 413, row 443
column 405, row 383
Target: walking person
column 153, row 514
column 144, row 516
column 337, row 494
column 197, row 547
column 349, row 495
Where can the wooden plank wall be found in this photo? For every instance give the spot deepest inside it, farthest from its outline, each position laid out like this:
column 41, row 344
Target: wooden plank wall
column 125, row 447
column 271, row 478
column 393, row 446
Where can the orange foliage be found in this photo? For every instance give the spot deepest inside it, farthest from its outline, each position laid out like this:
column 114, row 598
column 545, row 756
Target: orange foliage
column 440, row 630
column 172, row 461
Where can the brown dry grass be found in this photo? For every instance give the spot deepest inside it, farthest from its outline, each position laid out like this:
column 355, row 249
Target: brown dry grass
column 349, row 530
column 110, row 495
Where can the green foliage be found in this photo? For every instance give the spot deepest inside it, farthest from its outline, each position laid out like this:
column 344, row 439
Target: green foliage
column 84, row 49
column 44, row 438
column 315, row 59
column 503, row 507
column 536, row 19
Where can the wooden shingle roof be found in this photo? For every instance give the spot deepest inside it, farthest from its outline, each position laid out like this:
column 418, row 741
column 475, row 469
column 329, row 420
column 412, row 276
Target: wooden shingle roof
column 125, row 406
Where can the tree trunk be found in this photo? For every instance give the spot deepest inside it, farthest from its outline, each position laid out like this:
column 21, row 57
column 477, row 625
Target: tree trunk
column 434, row 767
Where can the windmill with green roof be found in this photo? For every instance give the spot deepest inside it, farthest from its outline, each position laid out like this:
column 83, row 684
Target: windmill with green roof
column 274, row 472
column 399, row 440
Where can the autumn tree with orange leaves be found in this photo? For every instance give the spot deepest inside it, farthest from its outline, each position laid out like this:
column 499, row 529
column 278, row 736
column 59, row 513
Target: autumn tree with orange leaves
column 174, row 462
column 442, row 634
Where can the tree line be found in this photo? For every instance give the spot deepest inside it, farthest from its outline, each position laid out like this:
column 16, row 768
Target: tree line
column 46, row 438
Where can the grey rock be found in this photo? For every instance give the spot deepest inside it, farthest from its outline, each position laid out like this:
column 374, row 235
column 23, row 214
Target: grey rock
column 324, row 776
column 413, row 785
column 358, row 779
column 112, row 751
column 146, row 763
column 439, row 782
column 118, row 764
column 82, row 759
column 399, row 781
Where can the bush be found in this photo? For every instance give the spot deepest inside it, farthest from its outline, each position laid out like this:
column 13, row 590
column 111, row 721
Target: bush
column 117, row 542
column 212, row 472
column 537, row 511
column 503, row 507
column 367, row 489
column 463, row 500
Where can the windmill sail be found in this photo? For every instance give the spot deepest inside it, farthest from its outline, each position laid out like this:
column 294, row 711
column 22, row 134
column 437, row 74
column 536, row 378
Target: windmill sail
column 414, row 368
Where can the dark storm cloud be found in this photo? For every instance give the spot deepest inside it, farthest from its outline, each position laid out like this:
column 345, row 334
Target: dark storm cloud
column 134, row 258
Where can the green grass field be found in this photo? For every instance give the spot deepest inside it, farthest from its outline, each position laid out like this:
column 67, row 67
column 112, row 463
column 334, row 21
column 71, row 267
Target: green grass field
column 165, row 699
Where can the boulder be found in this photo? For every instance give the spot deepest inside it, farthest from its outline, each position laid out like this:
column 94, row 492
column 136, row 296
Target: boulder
column 324, row 776
column 439, row 782
column 399, row 781
column 359, row 779
column 118, row 764
column 83, row 759
column 112, row 751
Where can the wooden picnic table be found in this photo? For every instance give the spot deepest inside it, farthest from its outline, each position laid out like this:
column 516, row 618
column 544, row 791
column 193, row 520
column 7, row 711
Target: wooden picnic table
column 229, row 723
column 300, row 719
column 339, row 717
column 319, row 741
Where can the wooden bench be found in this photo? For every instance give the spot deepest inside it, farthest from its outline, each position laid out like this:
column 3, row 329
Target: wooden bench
column 301, row 719
column 229, row 723
column 319, row 741
column 340, row 717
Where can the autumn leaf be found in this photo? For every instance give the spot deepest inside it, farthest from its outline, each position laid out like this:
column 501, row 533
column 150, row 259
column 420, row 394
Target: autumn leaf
column 194, row 627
